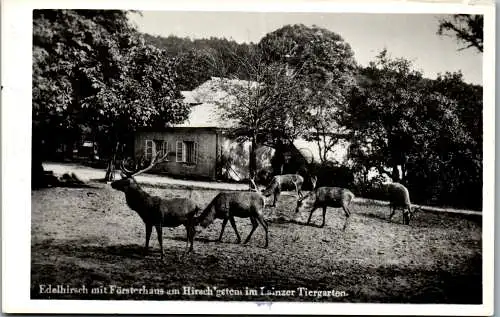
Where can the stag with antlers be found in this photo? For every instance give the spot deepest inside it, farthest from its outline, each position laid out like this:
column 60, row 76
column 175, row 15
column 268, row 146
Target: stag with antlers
column 155, row 211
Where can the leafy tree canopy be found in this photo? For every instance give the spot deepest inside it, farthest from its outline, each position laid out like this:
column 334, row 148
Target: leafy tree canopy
column 401, row 120
column 92, row 70
column 325, row 64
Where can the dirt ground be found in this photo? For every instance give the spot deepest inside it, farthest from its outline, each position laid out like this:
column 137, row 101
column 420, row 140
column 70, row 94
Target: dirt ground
column 88, row 238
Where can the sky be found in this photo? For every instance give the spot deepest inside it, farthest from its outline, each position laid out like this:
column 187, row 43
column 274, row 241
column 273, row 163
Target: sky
column 412, row 36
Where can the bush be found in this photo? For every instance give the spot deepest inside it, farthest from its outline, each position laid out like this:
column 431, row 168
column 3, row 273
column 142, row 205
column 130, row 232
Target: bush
column 456, row 184
column 332, row 175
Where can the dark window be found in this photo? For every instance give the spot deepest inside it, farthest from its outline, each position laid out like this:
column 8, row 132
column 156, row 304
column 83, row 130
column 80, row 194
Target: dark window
column 187, row 152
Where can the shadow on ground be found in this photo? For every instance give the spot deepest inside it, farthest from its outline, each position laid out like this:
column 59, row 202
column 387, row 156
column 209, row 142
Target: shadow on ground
column 126, row 266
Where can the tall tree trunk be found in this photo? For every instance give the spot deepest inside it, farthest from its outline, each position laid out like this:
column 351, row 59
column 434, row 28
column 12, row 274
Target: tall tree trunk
column 403, row 172
column 37, row 172
column 395, row 173
column 110, row 171
column 278, row 159
column 253, row 157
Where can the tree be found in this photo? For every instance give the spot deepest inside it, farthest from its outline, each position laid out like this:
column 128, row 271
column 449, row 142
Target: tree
column 468, row 29
column 66, row 44
column 147, row 97
column 456, row 165
column 91, row 69
column 193, row 68
column 403, row 121
column 326, row 65
column 469, row 100
column 325, row 129
column 382, row 114
column 266, row 109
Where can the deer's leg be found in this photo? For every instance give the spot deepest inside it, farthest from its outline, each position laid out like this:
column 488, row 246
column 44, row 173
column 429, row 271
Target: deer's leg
column 224, row 223
column 264, row 224
column 347, row 213
column 233, row 224
column 159, row 233
column 310, row 215
column 149, row 229
column 255, row 224
column 190, row 237
column 276, row 196
column 406, row 216
column 393, row 210
column 410, row 214
column 193, row 233
column 324, row 215
column 298, row 190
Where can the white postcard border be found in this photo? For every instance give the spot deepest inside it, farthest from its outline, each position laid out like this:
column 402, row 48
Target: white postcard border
column 16, row 154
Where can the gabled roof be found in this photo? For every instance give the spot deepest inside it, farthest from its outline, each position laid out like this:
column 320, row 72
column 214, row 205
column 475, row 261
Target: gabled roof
column 204, row 110
column 205, row 115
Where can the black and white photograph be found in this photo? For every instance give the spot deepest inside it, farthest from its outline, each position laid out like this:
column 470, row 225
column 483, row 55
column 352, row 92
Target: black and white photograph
column 268, row 157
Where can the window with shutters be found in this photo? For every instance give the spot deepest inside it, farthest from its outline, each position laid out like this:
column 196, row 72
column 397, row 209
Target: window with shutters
column 148, row 149
column 187, row 152
column 162, row 148
column 178, row 152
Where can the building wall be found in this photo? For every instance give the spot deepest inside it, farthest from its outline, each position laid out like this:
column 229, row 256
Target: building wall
column 208, row 151
column 214, row 148
column 239, row 156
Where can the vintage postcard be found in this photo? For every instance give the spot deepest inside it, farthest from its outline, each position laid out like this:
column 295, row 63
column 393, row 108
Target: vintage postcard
column 264, row 157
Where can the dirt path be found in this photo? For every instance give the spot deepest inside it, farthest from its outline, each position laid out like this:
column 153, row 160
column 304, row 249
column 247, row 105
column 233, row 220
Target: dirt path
column 88, row 173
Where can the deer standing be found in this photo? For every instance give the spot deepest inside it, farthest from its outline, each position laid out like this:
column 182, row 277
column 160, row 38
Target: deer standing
column 286, row 181
column 228, row 205
column 324, row 197
column 155, row 211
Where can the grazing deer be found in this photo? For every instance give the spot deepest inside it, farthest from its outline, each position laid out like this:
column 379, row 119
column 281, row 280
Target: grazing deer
column 286, row 181
column 399, row 197
column 228, row 205
column 326, row 197
column 156, row 211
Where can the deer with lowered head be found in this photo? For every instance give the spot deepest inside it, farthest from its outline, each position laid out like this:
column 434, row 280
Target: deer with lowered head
column 156, row 211
column 228, row 205
column 399, row 198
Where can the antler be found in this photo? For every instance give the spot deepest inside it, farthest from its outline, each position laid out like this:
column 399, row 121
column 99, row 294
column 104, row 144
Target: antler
column 254, row 185
column 125, row 171
column 314, row 181
column 155, row 159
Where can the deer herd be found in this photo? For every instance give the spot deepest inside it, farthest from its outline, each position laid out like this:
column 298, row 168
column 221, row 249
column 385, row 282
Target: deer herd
column 160, row 212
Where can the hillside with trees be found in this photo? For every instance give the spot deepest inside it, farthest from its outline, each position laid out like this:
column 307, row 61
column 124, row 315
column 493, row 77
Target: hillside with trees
column 200, row 59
